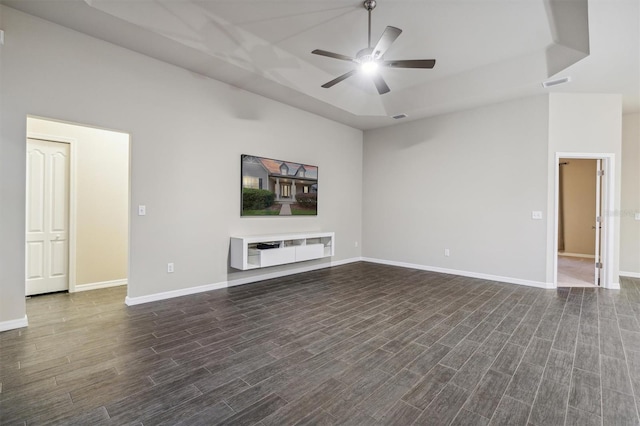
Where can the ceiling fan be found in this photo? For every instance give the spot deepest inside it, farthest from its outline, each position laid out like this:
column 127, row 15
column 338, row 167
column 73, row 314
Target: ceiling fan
column 369, row 59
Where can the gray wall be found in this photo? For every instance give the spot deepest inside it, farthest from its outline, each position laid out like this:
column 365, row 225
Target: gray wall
column 187, row 135
column 591, row 124
column 467, row 182
column 630, row 200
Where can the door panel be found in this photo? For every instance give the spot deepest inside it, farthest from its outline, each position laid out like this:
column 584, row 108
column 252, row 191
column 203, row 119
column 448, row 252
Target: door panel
column 59, row 200
column 35, row 254
column 58, row 258
column 35, row 190
column 47, row 249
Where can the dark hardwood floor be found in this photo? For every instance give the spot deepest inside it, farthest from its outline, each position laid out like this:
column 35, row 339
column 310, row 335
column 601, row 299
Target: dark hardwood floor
column 356, row 344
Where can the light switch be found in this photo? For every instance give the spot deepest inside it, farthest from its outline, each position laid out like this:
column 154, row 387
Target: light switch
column 142, row 210
column 536, row 215
column 637, row 216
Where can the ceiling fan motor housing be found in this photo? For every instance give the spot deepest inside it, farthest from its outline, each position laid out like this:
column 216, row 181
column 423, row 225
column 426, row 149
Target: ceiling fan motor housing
column 365, row 55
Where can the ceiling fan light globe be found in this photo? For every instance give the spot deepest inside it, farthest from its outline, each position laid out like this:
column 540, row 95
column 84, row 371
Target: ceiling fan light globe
column 369, row 67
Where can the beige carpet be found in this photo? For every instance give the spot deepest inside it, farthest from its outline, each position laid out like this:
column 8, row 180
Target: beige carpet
column 575, row 272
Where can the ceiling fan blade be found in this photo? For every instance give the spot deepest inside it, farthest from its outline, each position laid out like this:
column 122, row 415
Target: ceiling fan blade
column 380, row 84
column 333, row 55
column 410, row 63
column 389, row 35
column 339, row 79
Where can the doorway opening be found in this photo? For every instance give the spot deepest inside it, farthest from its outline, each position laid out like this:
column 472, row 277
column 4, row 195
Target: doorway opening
column 77, row 207
column 583, row 250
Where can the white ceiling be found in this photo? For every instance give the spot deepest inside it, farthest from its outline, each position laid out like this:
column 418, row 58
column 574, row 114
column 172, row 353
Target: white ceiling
column 487, row 51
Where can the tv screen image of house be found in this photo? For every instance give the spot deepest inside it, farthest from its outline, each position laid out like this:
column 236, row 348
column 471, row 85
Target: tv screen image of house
column 278, row 188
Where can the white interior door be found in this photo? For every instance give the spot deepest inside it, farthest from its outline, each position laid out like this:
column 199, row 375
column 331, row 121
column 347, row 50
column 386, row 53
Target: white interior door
column 598, row 222
column 47, row 221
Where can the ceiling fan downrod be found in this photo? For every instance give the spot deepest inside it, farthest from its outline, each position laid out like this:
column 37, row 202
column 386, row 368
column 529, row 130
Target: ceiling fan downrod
column 369, row 5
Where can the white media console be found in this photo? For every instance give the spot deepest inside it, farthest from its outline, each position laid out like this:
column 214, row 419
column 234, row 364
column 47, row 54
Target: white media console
column 286, row 248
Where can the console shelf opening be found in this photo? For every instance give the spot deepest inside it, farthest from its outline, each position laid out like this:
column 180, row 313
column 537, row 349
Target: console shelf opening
column 261, row 251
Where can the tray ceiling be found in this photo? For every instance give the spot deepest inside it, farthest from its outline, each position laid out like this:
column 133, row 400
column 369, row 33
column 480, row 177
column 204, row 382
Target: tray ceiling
column 487, row 51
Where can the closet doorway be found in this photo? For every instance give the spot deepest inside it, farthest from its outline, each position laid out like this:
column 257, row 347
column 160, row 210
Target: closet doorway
column 582, row 252
column 77, row 207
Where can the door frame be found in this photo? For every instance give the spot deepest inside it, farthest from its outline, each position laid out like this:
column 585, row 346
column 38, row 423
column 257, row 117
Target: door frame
column 606, row 208
column 73, row 146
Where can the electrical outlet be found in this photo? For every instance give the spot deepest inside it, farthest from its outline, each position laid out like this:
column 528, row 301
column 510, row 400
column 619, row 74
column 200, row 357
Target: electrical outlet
column 447, row 253
column 355, row 244
column 637, row 216
column 142, row 210
column 169, row 268
column 536, row 214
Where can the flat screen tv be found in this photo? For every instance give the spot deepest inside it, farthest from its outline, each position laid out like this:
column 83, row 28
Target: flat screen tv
column 278, row 188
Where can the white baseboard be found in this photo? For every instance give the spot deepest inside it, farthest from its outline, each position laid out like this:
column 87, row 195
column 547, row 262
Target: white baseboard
column 346, row 261
column 613, row 286
column 13, row 324
column 103, row 284
column 130, row 301
column 629, row 274
column 509, row 280
column 585, row 256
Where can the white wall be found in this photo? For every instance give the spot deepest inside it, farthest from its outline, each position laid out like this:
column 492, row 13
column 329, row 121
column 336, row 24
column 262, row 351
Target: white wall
column 187, row 135
column 102, row 198
column 466, row 181
column 630, row 199
column 590, row 124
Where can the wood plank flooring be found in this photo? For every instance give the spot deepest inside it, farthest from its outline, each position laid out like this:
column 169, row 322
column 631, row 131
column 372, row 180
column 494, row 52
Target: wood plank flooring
column 359, row 344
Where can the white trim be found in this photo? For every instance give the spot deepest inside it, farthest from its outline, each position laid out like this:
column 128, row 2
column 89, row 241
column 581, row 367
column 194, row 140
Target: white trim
column 346, row 261
column 585, row 256
column 13, row 324
column 73, row 202
column 103, row 284
column 51, row 138
column 629, row 274
column 608, row 187
column 509, row 280
column 130, row 301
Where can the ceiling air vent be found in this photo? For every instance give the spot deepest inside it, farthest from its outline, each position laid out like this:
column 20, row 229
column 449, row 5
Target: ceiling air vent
column 551, row 83
column 399, row 116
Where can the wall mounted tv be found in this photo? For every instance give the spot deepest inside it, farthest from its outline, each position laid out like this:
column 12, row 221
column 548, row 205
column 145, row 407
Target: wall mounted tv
column 278, row 188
